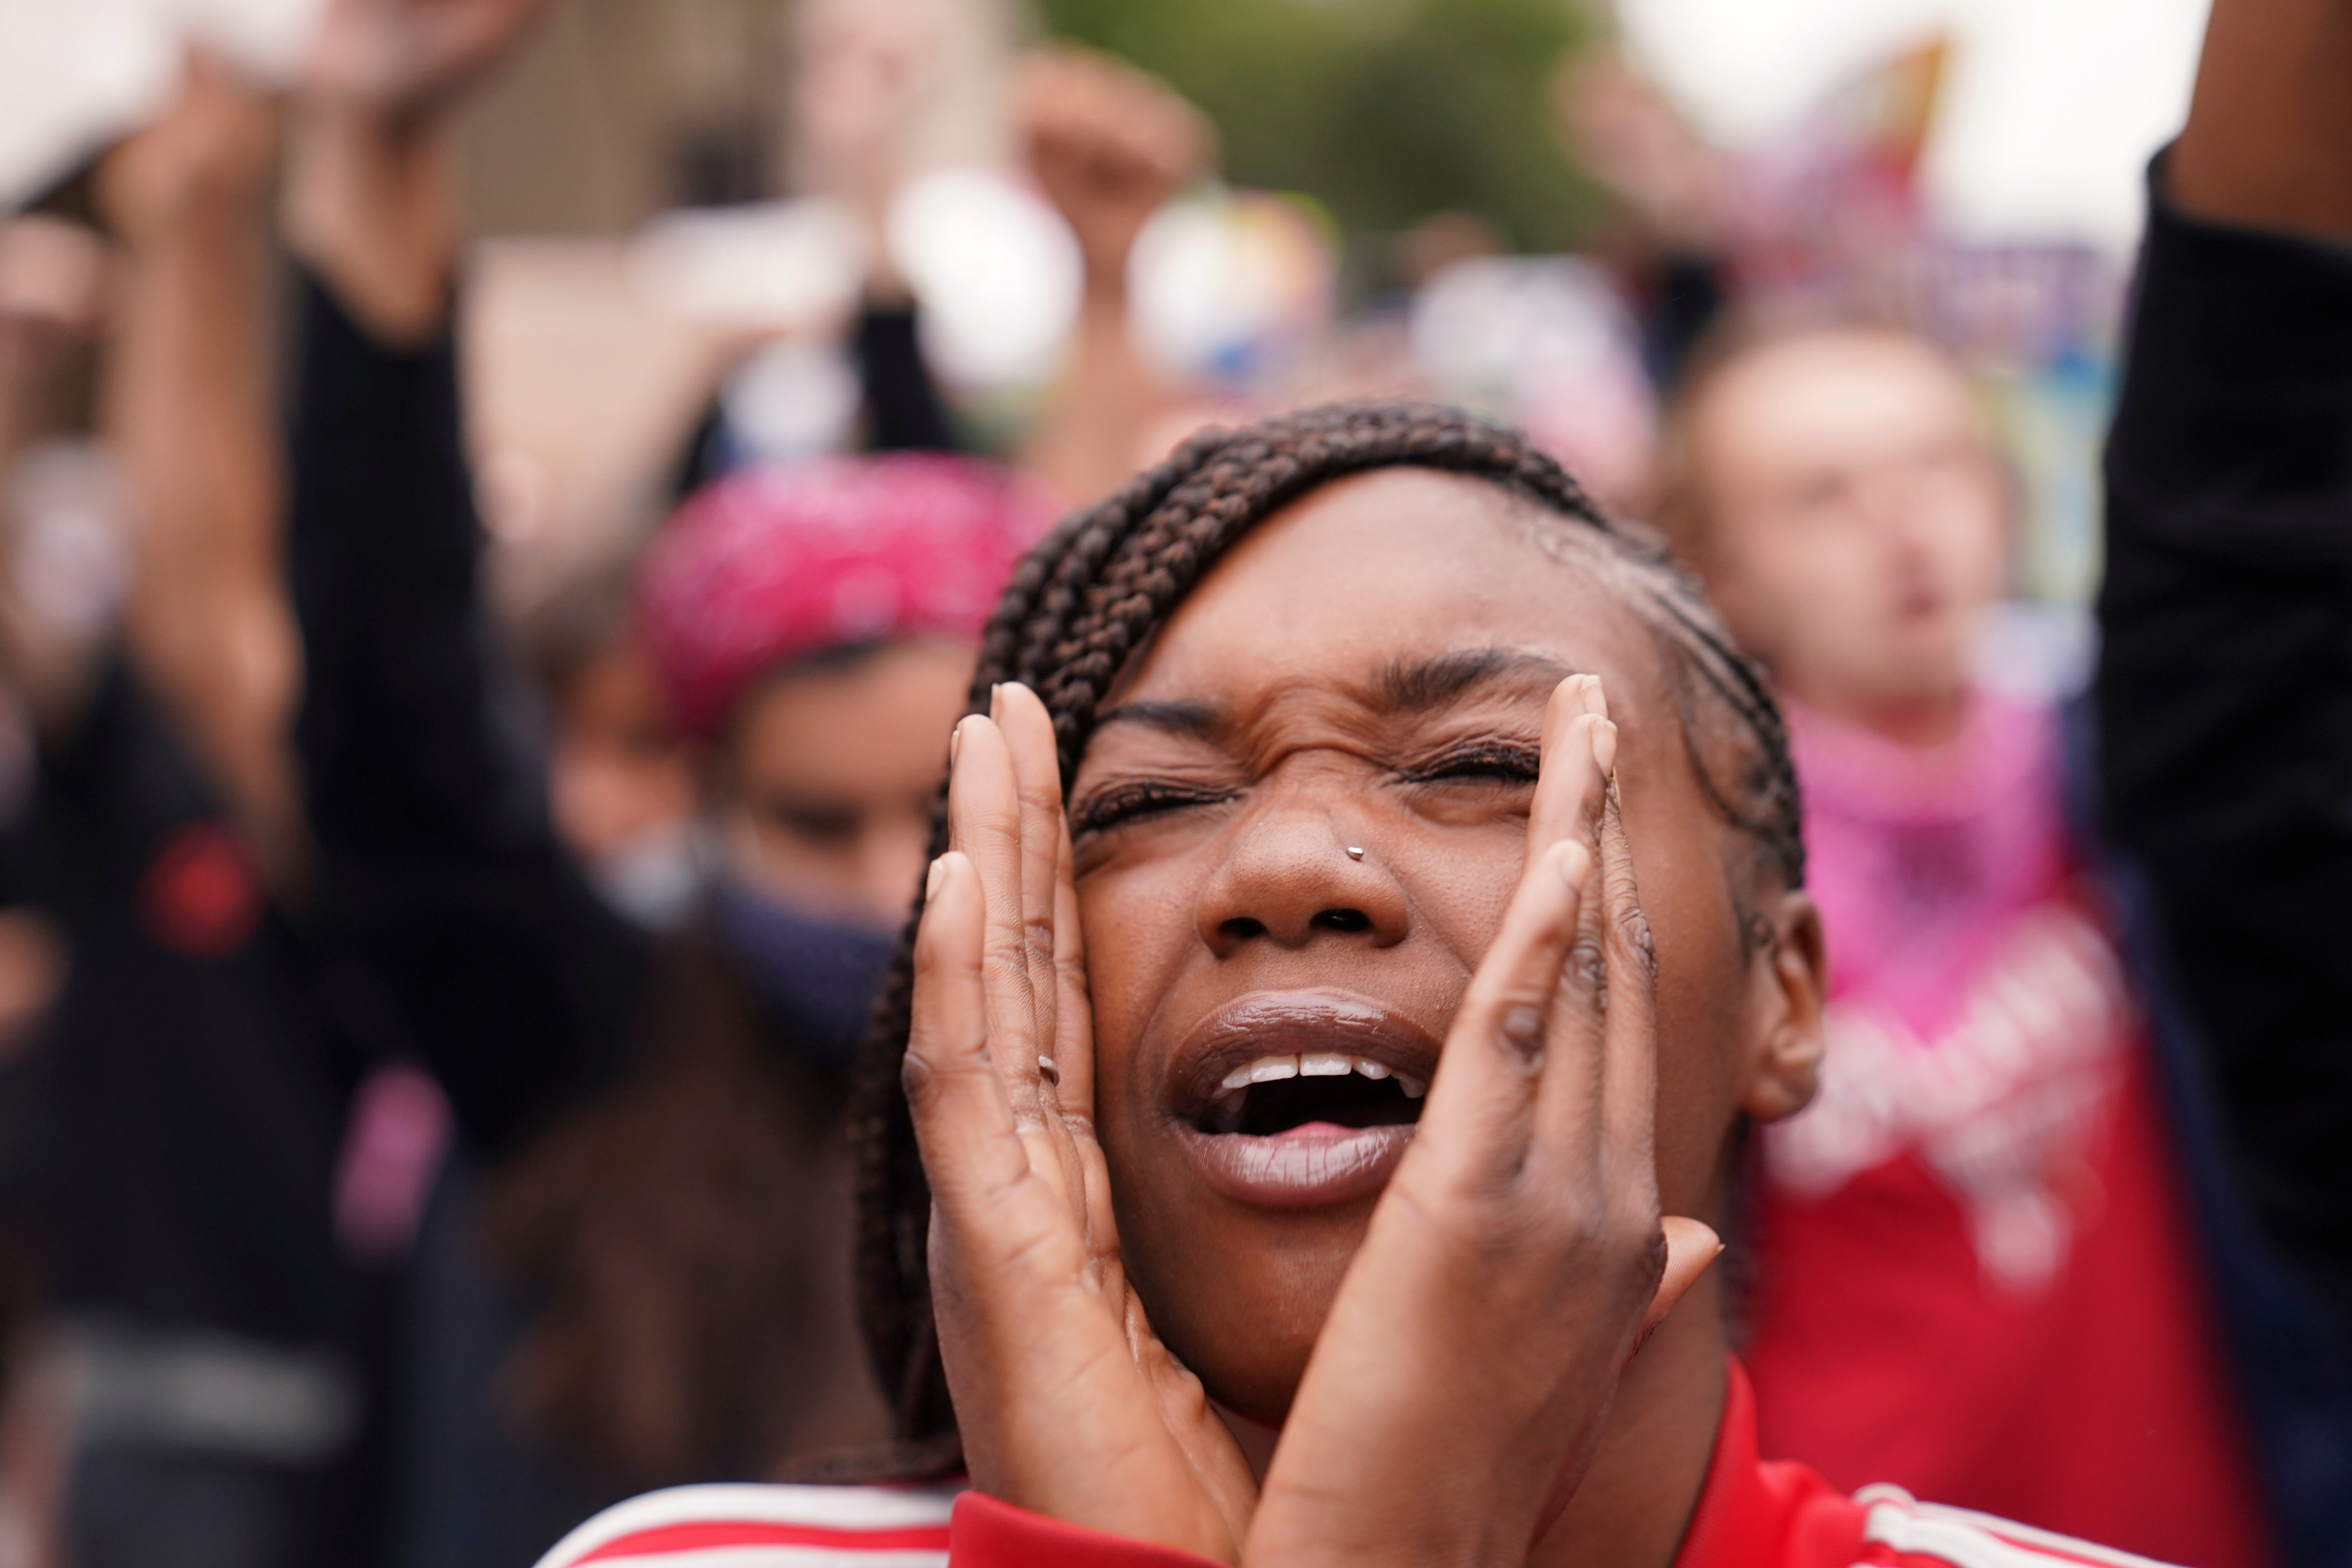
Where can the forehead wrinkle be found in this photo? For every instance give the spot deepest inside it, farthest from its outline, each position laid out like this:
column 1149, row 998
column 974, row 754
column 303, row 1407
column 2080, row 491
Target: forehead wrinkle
column 1419, row 685
column 1299, row 711
column 1402, row 686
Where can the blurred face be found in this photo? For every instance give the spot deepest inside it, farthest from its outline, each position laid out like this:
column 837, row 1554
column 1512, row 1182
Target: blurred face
column 619, row 778
column 1855, row 519
column 825, row 787
column 1368, row 667
column 52, row 302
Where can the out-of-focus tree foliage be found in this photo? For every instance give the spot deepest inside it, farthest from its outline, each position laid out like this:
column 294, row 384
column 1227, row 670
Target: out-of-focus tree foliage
column 1387, row 110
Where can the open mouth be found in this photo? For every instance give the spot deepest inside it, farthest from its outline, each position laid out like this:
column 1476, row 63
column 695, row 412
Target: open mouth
column 1300, row 1098
column 1274, row 1095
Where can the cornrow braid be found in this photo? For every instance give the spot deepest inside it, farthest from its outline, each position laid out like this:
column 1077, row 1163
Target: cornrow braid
column 1093, row 593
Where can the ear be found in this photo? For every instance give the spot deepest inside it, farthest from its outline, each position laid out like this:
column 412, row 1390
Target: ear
column 1789, row 983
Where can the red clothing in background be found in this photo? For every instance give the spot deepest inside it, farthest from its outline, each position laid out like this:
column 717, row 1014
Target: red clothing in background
column 1974, row 1275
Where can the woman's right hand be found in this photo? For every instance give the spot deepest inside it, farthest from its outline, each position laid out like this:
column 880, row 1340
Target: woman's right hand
column 1068, row 1403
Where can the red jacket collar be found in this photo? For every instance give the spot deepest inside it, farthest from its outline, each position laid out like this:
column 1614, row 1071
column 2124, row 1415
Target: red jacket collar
column 1750, row 1514
column 1755, row 1513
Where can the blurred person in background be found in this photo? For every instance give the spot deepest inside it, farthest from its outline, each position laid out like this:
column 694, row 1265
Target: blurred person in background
column 683, row 1234
column 1975, row 1266
column 53, row 273
column 2224, row 684
column 193, row 1078
column 620, row 785
column 53, row 287
column 864, row 74
column 1672, row 238
column 1109, row 146
column 621, row 781
column 659, row 1118
column 1106, row 144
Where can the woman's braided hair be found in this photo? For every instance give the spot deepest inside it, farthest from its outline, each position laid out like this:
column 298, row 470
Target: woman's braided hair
column 1093, row 593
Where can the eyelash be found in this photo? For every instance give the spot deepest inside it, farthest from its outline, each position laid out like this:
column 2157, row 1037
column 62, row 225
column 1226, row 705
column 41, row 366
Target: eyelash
column 1493, row 761
column 1124, row 804
column 1497, row 761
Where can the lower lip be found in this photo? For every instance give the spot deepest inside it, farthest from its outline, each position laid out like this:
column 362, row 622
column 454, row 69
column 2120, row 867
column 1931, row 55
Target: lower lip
column 1312, row 1166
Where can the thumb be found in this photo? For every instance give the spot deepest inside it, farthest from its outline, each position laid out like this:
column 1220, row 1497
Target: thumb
column 1691, row 1249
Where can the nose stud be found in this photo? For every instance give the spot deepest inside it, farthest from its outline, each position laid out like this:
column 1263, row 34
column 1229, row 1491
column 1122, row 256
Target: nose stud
column 1355, row 852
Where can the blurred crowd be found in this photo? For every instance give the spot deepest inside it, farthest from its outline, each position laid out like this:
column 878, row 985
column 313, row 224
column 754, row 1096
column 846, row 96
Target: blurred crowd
column 447, row 853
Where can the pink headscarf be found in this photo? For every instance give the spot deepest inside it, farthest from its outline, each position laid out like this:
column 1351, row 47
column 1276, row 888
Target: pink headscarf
column 774, row 563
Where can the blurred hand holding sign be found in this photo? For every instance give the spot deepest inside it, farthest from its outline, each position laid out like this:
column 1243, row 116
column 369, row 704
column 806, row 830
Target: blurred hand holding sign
column 76, row 74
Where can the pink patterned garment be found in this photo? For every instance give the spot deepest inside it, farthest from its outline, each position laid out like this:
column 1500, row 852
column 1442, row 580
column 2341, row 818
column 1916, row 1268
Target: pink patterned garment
column 1922, row 860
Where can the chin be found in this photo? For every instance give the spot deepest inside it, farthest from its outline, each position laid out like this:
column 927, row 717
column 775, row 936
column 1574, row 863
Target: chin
column 1245, row 1167
column 1240, row 1298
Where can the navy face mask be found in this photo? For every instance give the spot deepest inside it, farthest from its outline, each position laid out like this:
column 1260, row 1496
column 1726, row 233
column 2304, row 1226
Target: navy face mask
column 819, row 972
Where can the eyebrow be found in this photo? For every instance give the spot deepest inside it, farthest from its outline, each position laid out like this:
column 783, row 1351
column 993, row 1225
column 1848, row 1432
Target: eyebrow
column 1402, row 686
column 1197, row 720
column 1416, row 686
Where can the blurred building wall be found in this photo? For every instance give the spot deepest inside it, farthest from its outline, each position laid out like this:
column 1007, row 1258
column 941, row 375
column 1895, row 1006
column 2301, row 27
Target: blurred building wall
column 621, row 108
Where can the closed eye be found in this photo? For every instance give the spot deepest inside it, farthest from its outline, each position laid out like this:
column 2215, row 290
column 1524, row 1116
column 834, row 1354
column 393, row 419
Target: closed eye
column 826, row 823
column 1116, row 806
column 1481, row 761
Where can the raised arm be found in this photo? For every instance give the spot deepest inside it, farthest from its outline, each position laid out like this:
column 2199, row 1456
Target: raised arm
column 1109, row 146
column 187, row 404
column 53, row 286
column 439, row 863
column 2225, row 681
column 2268, row 140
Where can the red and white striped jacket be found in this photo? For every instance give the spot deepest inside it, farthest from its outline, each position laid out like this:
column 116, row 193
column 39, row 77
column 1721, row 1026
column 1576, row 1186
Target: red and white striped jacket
column 1752, row 1513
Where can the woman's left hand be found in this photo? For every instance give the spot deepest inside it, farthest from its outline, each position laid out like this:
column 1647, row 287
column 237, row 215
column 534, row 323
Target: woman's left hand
column 1519, row 1257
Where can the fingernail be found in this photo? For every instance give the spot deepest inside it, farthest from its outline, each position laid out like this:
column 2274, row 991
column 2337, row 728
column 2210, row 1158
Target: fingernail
column 931, row 877
column 1604, row 748
column 996, row 700
column 955, row 743
column 1523, row 1031
column 1596, row 698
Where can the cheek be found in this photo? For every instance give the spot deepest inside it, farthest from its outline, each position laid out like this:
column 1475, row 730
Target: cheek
column 1795, row 584
column 1978, row 553
column 1701, row 1010
column 1137, row 920
column 1461, row 882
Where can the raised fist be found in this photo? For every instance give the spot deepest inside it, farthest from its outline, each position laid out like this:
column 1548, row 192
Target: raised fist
column 1109, row 146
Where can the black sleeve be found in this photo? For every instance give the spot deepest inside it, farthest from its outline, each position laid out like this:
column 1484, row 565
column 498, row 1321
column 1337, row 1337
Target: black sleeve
column 901, row 403
column 904, row 411
column 440, row 872
column 1682, row 298
column 2225, row 687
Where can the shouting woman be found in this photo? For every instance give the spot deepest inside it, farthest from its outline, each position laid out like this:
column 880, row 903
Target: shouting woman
column 1309, row 1144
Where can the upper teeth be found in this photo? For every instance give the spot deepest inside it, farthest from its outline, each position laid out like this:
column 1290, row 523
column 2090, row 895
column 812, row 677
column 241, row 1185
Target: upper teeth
column 1318, row 1064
